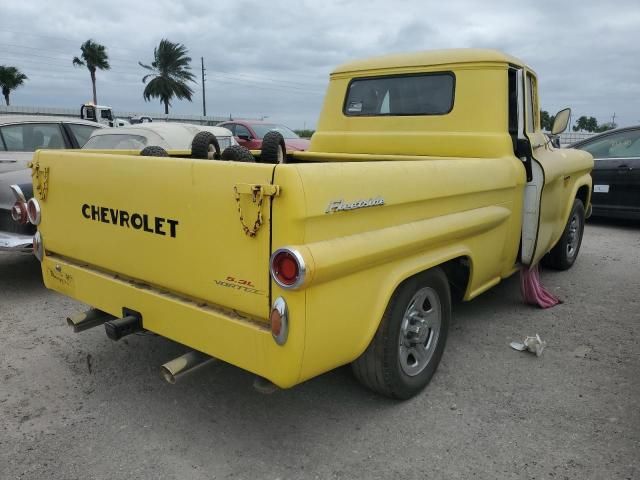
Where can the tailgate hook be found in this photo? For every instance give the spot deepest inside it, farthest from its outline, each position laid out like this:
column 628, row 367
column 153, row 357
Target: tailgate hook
column 257, row 192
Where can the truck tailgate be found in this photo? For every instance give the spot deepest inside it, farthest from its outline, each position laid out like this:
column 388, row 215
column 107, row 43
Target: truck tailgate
column 173, row 223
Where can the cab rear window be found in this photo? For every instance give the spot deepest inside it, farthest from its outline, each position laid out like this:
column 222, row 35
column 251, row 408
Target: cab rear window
column 421, row 94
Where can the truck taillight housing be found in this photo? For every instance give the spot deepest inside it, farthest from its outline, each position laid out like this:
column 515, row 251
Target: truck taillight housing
column 33, row 211
column 287, row 268
column 19, row 212
column 38, row 247
column 279, row 320
column 19, row 209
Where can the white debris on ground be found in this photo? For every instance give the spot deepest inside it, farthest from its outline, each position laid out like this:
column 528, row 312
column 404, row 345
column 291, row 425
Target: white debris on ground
column 531, row 344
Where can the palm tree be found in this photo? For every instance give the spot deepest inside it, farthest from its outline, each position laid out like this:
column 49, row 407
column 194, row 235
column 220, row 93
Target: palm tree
column 170, row 74
column 94, row 57
column 10, row 79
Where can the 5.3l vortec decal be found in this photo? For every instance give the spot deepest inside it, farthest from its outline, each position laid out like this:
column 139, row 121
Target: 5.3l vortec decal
column 340, row 205
column 246, row 286
column 137, row 221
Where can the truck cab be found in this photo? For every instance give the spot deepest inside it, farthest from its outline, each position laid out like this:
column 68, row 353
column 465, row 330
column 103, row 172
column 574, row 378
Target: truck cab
column 100, row 114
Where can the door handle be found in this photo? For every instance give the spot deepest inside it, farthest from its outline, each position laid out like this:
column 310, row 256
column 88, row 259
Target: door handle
column 625, row 168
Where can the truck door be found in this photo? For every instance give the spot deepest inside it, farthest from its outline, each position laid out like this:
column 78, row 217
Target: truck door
column 543, row 214
column 526, row 145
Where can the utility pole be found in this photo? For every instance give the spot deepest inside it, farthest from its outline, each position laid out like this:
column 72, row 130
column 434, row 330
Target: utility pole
column 204, row 99
column 613, row 119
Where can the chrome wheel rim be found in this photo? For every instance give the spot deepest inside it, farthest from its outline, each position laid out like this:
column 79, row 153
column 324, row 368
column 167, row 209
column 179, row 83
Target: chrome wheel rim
column 574, row 236
column 419, row 331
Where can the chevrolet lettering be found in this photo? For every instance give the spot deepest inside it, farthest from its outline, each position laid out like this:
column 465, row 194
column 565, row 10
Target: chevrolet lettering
column 137, row 221
column 282, row 268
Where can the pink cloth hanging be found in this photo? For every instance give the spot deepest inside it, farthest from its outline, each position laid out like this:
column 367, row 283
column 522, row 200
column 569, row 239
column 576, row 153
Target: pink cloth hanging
column 532, row 290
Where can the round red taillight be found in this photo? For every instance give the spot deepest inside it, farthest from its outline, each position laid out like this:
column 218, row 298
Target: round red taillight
column 19, row 212
column 33, row 211
column 286, row 268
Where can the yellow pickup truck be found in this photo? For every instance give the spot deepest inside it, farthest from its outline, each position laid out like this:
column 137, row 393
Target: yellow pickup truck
column 427, row 179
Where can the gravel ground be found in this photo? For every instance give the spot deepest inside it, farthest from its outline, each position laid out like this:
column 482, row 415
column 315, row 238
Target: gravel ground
column 79, row 406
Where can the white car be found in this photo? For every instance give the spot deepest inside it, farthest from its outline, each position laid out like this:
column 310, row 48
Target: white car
column 167, row 135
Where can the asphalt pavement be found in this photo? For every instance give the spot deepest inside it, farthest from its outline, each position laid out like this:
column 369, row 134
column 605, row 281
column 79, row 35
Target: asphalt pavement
column 79, row 406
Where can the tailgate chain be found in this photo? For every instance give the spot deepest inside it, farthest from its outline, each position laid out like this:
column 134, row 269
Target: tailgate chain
column 257, row 192
column 42, row 177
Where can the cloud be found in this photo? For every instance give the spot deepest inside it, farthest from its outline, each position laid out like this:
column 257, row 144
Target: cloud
column 273, row 58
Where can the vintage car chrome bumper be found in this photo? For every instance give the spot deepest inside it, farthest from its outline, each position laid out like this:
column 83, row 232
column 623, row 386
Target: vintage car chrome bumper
column 15, row 242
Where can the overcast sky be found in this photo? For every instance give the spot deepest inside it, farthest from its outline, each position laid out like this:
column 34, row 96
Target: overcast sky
column 273, row 58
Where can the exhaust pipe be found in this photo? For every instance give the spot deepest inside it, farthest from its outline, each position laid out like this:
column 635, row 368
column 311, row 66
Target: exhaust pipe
column 176, row 368
column 89, row 319
column 264, row 386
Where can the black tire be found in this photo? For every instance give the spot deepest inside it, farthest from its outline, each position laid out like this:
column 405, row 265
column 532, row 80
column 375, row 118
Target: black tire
column 273, row 148
column 564, row 254
column 383, row 366
column 205, row 146
column 237, row 153
column 153, row 151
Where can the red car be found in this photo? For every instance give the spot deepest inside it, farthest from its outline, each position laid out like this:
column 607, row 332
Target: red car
column 249, row 134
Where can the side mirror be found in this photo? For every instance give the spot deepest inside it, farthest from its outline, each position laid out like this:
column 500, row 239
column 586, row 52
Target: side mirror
column 246, row 138
column 561, row 121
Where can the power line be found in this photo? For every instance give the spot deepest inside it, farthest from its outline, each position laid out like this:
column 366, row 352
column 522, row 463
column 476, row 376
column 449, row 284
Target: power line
column 59, row 38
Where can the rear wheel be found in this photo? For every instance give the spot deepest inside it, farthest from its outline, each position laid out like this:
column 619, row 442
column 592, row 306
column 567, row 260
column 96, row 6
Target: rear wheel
column 153, row 151
column 565, row 252
column 205, row 146
column 273, row 148
column 407, row 348
column 237, row 153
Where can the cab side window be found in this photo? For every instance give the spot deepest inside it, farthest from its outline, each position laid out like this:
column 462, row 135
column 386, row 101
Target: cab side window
column 531, row 104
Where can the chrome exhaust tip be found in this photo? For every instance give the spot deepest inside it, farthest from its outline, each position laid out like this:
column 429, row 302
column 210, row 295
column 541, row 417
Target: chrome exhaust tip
column 89, row 319
column 178, row 367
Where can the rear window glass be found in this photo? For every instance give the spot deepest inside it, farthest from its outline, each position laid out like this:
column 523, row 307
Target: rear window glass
column 423, row 94
column 116, row 142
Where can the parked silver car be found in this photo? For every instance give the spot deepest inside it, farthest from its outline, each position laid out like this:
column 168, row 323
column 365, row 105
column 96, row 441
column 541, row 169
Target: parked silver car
column 20, row 136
